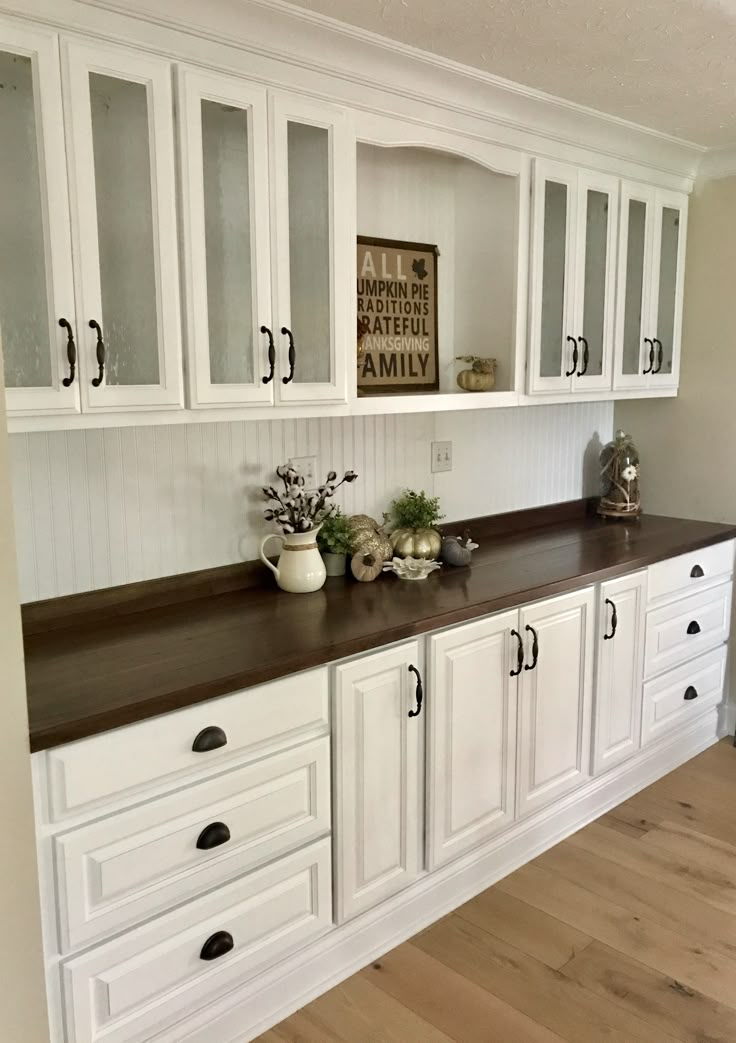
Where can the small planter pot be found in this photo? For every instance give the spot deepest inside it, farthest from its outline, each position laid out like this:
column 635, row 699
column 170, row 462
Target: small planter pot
column 334, row 563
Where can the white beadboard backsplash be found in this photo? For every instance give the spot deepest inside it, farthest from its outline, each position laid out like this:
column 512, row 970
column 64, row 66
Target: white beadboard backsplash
column 101, row 507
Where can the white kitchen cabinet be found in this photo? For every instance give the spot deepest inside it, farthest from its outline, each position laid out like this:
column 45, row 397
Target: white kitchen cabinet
column 572, row 279
column 555, row 698
column 651, row 271
column 471, row 742
column 378, row 777
column 620, row 670
column 120, row 152
column 38, row 329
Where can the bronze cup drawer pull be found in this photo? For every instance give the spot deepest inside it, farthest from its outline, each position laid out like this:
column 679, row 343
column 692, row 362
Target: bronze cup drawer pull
column 217, row 945
column 690, row 693
column 693, row 628
column 212, row 738
column 696, row 572
column 213, row 835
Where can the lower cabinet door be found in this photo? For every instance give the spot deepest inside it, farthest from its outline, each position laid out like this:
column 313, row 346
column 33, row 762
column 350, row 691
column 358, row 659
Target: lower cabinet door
column 555, row 698
column 378, row 747
column 620, row 674
column 471, row 720
column 148, row 979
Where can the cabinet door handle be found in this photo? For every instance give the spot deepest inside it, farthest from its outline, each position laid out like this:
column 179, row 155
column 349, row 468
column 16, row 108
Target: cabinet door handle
column 690, row 693
column 694, row 627
column 419, row 692
column 292, row 355
column 650, row 367
column 217, row 945
column 271, row 356
column 586, row 356
column 213, row 835
column 519, row 654
column 696, row 572
column 570, row 372
column 535, row 648
column 614, row 621
column 100, row 352
column 212, row 738
column 660, row 354
column 71, row 352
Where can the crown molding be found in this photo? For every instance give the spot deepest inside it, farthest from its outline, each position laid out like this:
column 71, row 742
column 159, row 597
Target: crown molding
column 717, row 163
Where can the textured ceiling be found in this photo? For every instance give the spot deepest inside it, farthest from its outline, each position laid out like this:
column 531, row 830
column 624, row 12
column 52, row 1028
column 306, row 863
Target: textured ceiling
column 667, row 64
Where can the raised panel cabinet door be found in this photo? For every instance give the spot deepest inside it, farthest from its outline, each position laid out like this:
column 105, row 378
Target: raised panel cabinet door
column 313, row 246
column 552, row 278
column 595, row 282
column 555, row 698
column 620, row 670
column 38, row 329
column 471, row 743
column 670, row 228
column 378, row 747
column 635, row 351
column 223, row 154
column 119, row 119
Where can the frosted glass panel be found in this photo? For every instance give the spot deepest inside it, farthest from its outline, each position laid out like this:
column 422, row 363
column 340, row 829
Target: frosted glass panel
column 596, row 248
column 24, row 318
column 634, row 286
column 120, row 135
column 309, row 250
column 228, row 244
column 553, row 278
column 668, row 284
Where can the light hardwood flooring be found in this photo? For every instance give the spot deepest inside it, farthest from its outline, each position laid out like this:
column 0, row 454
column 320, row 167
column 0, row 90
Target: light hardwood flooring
column 625, row 932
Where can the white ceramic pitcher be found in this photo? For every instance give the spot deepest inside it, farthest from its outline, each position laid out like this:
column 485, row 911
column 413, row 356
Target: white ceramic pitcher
column 300, row 566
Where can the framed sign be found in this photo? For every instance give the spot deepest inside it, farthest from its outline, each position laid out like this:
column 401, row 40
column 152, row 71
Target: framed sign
column 397, row 316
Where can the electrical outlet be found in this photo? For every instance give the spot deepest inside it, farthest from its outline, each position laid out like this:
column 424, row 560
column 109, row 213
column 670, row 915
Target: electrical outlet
column 307, row 468
column 441, row 456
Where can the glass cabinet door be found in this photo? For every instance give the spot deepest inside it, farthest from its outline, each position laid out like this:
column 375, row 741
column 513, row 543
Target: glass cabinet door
column 669, row 238
column 120, row 124
column 595, row 290
column 633, row 335
column 313, row 174
column 224, row 182
column 552, row 278
column 38, row 331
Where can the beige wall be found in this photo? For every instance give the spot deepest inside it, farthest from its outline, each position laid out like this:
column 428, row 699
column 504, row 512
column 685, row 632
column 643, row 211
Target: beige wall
column 688, row 444
column 22, row 995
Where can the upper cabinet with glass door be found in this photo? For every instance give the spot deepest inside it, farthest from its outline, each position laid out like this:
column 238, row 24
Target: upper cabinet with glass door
column 572, row 279
column 38, row 329
column 120, row 147
column 650, row 279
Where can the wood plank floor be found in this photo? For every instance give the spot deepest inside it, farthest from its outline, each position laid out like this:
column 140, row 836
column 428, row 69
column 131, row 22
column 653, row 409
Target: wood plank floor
column 625, row 932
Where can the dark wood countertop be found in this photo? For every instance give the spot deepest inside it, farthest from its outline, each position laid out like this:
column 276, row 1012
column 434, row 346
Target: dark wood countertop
column 100, row 660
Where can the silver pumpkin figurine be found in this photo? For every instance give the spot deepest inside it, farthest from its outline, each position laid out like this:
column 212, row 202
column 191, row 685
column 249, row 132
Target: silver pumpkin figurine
column 458, row 550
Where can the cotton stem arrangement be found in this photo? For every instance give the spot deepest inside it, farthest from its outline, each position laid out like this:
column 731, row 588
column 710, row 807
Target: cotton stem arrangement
column 296, row 509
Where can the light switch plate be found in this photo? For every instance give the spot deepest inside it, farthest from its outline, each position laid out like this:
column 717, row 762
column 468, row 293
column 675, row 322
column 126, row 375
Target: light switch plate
column 307, row 468
column 441, row 456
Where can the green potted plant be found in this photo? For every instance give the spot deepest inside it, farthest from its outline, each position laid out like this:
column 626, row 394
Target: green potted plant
column 416, row 516
column 335, row 540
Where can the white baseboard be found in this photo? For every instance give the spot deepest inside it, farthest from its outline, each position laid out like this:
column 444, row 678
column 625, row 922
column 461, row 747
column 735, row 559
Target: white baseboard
column 273, row 996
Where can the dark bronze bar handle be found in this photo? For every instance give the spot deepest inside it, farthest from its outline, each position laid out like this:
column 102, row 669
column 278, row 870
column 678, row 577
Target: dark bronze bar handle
column 614, row 621
column 212, row 738
column 271, row 356
column 650, row 367
column 570, row 372
column 419, row 692
column 660, row 355
column 71, row 352
column 586, row 357
column 694, row 627
column 535, row 648
column 216, row 946
column 696, row 572
column 213, row 835
column 690, row 693
column 96, row 381
column 519, row 654
column 292, row 355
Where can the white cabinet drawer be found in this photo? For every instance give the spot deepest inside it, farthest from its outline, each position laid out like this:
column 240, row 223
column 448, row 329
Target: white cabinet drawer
column 116, row 871
column 681, row 694
column 147, row 979
column 686, row 628
column 690, row 573
column 122, row 762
